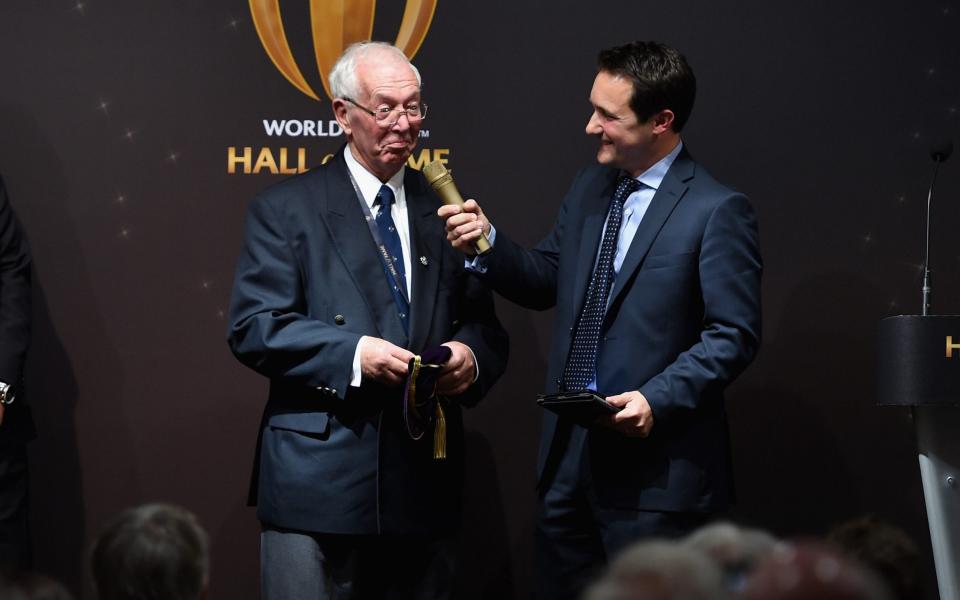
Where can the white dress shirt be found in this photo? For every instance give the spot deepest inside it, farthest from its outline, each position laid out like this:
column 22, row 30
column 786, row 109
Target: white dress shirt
column 369, row 186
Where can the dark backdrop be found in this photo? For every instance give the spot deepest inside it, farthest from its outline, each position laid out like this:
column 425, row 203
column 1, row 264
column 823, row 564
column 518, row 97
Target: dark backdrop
column 116, row 120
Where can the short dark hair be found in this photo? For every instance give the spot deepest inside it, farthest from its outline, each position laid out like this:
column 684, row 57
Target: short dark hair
column 660, row 75
column 885, row 548
column 152, row 552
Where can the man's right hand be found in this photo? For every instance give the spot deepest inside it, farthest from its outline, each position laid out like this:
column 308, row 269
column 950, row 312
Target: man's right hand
column 382, row 361
column 464, row 225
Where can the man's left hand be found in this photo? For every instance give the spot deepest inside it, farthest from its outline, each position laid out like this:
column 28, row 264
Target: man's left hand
column 458, row 372
column 635, row 418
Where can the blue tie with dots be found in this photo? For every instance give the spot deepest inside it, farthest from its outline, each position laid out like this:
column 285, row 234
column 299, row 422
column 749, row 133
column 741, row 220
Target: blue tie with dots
column 582, row 360
column 391, row 240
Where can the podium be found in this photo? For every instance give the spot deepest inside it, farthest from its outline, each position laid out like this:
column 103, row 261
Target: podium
column 918, row 365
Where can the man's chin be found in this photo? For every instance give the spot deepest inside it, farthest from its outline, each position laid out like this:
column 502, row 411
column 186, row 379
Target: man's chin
column 395, row 153
column 605, row 156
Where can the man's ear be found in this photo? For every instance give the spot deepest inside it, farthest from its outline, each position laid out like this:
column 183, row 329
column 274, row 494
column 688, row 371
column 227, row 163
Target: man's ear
column 340, row 113
column 663, row 121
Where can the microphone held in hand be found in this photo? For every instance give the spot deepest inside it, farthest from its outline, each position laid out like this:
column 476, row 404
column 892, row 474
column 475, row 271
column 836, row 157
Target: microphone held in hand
column 441, row 181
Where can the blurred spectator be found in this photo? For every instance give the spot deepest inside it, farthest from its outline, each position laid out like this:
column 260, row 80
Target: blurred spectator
column 152, row 552
column 735, row 549
column 660, row 570
column 32, row 586
column 884, row 548
column 808, row 570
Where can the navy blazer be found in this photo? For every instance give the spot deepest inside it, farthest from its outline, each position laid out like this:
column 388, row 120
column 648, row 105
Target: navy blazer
column 683, row 321
column 17, row 424
column 309, row 283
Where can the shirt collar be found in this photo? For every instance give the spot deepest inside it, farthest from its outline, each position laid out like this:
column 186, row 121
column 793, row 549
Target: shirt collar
column 653, row 176
column 368, row 183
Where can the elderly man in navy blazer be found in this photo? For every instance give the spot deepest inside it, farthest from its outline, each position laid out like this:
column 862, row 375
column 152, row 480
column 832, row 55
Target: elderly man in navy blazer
column 654, row 269
column 345, row 274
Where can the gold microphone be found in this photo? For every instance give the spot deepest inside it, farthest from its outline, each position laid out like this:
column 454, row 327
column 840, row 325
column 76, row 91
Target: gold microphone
column 441, row 181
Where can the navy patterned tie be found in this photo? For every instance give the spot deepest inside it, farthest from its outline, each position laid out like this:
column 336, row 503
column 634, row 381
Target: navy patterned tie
column 582, row 360
column 391, row 240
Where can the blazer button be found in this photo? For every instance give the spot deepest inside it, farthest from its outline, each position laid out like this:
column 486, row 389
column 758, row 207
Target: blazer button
column 339, row 319
column 333, row 391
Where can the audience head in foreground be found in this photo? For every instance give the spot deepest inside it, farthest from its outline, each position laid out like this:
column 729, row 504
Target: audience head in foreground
column 807, row 570
column 31, row 586
column 152, row 552
column 660, row 570
column 886, row 549
column 734, row 549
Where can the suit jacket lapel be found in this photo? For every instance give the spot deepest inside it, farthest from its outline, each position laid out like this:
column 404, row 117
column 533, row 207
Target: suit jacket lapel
column 671, row 190
column 340, row 209
column 426, row 242
column 595, row 213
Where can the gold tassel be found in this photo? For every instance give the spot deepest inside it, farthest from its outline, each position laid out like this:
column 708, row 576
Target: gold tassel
column 440, row 433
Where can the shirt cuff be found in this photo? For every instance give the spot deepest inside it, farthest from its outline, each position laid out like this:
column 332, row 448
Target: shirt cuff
column 475, row 264
column 356, row 375
column 476, row 365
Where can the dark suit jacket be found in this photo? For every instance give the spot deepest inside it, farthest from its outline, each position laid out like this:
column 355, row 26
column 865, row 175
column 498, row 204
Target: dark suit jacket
column 682, row 322
column 333, row 458
column 17, row 425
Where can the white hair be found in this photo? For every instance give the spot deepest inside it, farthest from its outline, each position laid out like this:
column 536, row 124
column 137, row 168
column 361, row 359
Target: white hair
column 730, row 545
column 660, row 570
column 343, row 76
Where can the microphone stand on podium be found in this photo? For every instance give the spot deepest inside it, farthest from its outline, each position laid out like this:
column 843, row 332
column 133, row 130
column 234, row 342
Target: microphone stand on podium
column 919, row 366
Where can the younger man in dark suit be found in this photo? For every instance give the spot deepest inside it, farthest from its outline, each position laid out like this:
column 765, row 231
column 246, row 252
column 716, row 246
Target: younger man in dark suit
column 654, row 269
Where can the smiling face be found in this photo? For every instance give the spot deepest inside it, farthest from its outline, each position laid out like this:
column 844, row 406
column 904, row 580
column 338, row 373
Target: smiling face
column 385, row 80
column 626, row 142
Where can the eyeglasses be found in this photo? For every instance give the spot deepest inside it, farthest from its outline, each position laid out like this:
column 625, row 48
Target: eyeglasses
column 415, row 113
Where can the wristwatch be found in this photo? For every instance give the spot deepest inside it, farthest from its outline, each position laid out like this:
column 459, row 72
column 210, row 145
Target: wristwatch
column 6, row 393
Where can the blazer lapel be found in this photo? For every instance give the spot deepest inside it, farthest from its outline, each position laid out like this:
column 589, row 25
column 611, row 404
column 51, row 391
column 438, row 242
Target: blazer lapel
column 595, row 213
column 340, row 209
column 672, row 189
column 426, row 246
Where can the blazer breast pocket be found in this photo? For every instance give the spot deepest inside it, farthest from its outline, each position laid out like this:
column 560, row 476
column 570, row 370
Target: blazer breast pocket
column 662, row 261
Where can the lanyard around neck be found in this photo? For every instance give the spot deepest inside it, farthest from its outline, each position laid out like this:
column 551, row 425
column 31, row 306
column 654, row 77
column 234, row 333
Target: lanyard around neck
column 385, row 256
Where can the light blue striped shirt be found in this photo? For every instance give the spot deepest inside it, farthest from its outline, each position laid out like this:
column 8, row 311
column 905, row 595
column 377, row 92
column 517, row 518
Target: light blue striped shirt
column 637, row 204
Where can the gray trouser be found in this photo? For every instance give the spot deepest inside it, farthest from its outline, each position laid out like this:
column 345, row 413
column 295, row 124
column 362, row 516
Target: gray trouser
column 310, row 566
